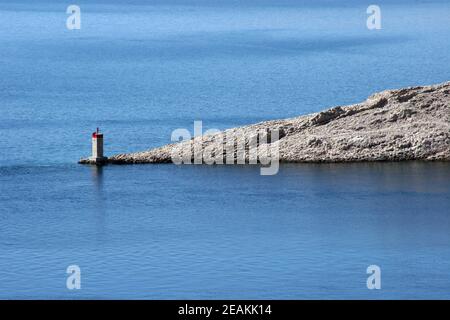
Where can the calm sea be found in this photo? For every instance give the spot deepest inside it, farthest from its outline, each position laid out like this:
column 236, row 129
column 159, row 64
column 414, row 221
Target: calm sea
column 139, row 70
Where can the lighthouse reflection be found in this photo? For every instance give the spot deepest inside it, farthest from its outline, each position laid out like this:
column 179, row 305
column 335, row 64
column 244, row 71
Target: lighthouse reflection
column 100, row 206
column 97, row 177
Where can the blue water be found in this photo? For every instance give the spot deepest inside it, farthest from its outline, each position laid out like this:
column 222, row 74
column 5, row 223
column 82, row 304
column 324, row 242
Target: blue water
column 143, row 69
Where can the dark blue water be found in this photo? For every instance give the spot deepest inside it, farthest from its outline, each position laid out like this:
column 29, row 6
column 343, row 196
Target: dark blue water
column 140, row 71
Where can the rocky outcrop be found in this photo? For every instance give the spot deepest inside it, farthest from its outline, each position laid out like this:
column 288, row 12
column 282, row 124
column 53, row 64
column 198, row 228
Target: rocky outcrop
column 393, row 125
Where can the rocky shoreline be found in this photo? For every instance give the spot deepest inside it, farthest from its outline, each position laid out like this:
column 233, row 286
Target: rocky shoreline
column 393, row 125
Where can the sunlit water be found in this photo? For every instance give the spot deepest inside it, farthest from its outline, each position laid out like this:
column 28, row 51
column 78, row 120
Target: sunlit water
column 164, row 231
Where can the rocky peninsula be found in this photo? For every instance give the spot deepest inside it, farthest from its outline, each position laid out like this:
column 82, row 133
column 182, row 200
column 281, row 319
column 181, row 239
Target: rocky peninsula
column 393, row 125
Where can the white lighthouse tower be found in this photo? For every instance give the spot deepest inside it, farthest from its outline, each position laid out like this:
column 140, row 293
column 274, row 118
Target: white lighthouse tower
column 97, row 148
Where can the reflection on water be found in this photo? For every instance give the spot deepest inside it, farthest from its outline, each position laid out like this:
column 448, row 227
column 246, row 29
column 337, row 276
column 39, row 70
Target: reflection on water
column 99, row 209
column 97, row 176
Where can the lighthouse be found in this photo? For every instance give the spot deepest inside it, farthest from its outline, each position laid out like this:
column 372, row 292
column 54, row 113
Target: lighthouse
column 97, row 148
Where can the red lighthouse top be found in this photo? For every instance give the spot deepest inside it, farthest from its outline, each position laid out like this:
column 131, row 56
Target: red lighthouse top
column 97, row 134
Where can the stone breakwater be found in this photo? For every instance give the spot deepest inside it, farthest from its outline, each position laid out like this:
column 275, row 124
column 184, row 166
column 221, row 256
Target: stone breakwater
column 393, row 125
